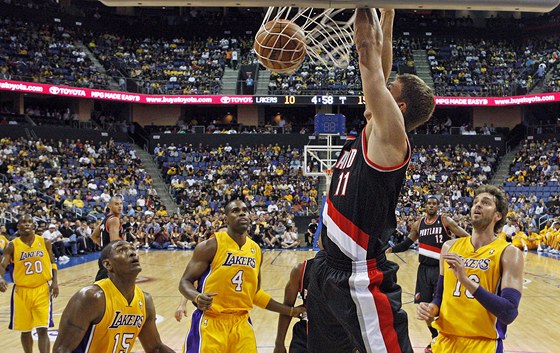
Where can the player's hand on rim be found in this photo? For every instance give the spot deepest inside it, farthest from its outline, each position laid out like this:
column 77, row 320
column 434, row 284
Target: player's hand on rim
column 388, row 11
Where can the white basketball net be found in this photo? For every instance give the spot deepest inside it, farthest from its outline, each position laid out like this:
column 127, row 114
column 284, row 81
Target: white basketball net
column 329, row 33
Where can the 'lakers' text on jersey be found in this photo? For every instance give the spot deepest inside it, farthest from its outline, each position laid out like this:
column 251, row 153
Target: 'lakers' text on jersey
column 104, row 229
column 482, row 266
column 233, row 274
column 356, row 223
column 32, row 263
column 431, row 237
column 121, row 323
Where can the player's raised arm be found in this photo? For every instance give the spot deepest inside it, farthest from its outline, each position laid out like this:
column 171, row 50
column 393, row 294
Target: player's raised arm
column 386, row 135
column 387, row 19
column 84, row 309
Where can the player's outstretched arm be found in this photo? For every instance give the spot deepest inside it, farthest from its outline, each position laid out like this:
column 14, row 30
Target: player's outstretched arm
column 264, row 300
column 385, row 129
column 290, row 296
column 84, row 308
column 202, row 257
column 149, row 336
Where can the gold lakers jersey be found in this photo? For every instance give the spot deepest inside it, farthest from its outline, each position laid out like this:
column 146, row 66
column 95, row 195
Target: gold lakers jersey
column 460, row 313
column 233, row 274
column 121, row 323
column 32, row 264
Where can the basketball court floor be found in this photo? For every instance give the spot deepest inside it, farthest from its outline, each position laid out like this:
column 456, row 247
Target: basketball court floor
column 534, row 331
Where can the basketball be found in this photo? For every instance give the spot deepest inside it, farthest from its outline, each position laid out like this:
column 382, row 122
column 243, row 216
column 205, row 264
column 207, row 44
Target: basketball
column 280, row 46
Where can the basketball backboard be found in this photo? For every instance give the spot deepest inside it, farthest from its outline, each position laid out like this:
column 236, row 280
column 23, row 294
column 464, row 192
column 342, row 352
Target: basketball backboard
column 320, row 157
column 484, row 5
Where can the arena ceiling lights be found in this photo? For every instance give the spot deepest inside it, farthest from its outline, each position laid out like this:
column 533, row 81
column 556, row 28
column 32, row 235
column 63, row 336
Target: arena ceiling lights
column 482, row 5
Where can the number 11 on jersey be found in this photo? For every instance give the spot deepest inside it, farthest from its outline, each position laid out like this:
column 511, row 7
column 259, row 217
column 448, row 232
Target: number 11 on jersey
column 342, row 184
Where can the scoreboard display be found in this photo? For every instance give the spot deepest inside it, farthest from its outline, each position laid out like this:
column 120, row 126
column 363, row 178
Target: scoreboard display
column 330, row 124
column 309, row 100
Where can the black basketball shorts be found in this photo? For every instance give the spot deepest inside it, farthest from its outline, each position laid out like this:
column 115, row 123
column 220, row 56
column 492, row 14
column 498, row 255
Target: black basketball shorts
column 355, row 306
column 426, row 283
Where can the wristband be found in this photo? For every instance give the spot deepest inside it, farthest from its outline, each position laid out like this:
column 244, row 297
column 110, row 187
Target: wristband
column 292, row 311
column 403, row 246
column 438, row 296
column 54, row 266
column 196, row 298
column 504, row 306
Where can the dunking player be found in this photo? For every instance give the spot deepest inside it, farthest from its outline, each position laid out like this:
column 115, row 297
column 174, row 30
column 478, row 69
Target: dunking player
column 353, row 298
column 108, row 315
column 110, row 229
column 227, row 269
column 479, row 288
column 297, row 284
column 431, row 231
column 33, row 268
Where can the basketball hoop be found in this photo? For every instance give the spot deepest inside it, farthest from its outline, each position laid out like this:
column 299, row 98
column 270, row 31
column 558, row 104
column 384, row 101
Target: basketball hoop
column 328, row 174
column 329, row 33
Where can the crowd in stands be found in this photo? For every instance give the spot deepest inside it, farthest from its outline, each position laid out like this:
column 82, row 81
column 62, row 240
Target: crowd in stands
column 72, row 178
column 488, row 67
column 477, row 65
column 552, row 84
column 175, row 66
column 45, row 53
column 536, row 164
column 269, row 178
column 52, row 180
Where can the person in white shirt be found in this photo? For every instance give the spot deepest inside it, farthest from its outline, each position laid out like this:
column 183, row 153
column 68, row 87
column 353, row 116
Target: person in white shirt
column 83, row 232
column 290, row 239
column 105, row 197
column 55, row 237
column 510, row 229
column 141, row 201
